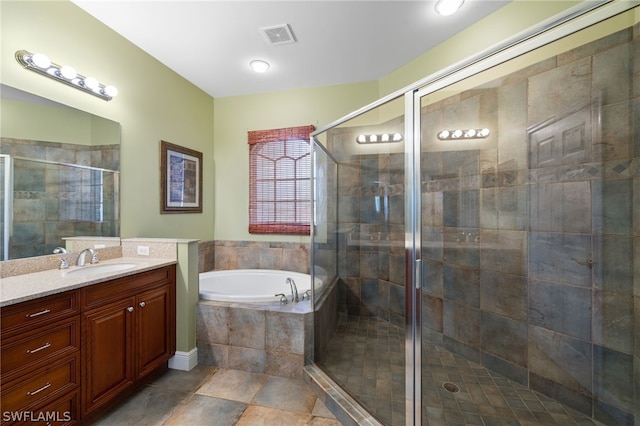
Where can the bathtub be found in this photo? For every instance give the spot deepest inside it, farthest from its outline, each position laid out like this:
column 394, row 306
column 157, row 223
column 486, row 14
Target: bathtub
column 250, row 285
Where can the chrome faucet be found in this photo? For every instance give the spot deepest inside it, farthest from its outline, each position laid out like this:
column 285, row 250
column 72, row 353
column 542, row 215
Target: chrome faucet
column 294, row 290
column 81, row 257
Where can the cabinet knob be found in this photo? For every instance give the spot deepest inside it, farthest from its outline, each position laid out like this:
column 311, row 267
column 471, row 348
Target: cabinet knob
column 142, row 304
column 130, row 309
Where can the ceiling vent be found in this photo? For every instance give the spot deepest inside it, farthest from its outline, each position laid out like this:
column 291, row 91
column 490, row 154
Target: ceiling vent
column 278, row 34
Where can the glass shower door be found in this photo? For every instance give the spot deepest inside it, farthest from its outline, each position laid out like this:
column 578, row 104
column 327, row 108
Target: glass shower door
column 529, row 216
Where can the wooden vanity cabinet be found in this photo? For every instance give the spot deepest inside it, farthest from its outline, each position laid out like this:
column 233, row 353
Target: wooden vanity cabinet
column 76, row 354
column 40, row 360
column 128, row 335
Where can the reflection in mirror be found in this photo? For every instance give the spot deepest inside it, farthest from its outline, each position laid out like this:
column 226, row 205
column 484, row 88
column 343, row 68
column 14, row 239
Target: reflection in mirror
column 59, row 175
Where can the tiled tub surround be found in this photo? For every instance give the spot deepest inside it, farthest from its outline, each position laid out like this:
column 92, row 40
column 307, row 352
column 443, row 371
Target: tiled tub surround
column 222, row 254
column 52, row 201
column 531, row 253
column 271, row 338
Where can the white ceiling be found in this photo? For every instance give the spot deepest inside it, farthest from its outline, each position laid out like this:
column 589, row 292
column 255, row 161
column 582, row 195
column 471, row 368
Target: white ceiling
column 211, row 42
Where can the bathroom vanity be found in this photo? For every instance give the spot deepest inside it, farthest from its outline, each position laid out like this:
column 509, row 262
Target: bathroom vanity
column 69, row 356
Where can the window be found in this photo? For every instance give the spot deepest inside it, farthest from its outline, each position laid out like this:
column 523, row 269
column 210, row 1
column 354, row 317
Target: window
column 280, row 181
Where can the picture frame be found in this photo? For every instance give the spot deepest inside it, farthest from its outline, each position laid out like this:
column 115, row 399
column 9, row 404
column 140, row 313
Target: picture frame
column 180, row 179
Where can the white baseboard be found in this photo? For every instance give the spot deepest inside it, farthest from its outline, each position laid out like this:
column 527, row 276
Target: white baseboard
column 184, row 361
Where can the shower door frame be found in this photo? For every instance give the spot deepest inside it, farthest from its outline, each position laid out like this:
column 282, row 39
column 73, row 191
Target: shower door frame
column 573, row 21
column 570, row 21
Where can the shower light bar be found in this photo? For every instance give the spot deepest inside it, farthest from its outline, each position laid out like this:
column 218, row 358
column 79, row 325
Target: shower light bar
column 380, row 138
column 446, row 135
column 41, row 64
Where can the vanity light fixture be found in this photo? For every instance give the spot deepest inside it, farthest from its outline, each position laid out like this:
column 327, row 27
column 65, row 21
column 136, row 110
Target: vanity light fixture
column 447, row 135
column 41, row 64
column 259, row 65
column 380, row 138
column 448, row 7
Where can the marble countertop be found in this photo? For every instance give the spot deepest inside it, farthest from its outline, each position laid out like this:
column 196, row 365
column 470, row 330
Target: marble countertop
column 25, row 287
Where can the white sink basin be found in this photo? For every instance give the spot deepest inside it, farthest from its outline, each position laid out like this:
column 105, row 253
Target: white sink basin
column 101, row 269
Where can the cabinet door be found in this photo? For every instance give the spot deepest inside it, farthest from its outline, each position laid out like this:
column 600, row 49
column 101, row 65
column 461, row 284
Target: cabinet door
column 107, row 352
column 155, row 328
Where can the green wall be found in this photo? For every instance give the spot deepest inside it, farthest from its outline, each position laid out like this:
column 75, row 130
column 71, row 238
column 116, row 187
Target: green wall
column 153, row 104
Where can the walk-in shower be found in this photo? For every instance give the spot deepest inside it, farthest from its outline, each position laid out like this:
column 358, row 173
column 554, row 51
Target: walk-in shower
column 486, row 262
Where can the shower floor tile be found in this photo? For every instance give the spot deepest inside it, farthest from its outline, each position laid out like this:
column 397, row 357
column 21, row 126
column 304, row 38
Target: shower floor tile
column 366, row 358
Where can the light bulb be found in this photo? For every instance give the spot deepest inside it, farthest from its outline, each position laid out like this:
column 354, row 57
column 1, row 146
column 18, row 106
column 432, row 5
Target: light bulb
column 362, row 138
column 259, row 65
column 443, row 134
column 456, row 134
column 91, row 83
column 484, row 133
column 385, row 138
column 373, row 138
column 397, row 137
column 68, row 72
column 111, row 91
column 448, row 7
column 41, row 60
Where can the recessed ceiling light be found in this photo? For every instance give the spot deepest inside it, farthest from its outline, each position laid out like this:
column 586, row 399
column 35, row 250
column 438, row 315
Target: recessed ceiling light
column 448, row 7
column 259, row 65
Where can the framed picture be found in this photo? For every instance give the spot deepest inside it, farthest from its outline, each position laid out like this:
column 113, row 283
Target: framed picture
column 180, row 179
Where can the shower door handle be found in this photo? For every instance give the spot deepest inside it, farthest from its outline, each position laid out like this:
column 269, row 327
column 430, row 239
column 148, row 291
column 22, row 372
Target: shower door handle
column 418, row 274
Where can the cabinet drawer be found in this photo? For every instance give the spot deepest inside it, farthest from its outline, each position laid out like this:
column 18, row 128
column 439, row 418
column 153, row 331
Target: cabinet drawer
column 64, row 411
column 23, row 394
column 107, row 292
column 37, row 312
column 27, row 352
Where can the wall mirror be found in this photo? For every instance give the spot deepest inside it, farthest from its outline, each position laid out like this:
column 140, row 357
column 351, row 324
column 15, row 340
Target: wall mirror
column 59, row 174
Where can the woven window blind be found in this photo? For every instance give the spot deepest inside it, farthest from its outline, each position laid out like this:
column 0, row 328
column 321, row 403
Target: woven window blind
column 280, row 181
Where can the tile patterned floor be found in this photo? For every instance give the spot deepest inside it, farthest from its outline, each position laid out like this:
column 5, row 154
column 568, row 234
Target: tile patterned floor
column 366, row 357
column 220, row 397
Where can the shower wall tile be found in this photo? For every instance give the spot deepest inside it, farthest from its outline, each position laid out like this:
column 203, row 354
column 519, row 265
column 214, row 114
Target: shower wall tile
column 561, row 207
column 461, row 208
column 611, row 77
column 462, row 323
column 560, row 358
column 369, row 264
column 432, row 209
column 503, row 294
column 635, row 147
column 462, row 253
column 504, row 338
column 616, row 133
column 397, row 299
column 612, row 206
column 397, row 268
column 503, row 251
column 462, row 285
column 613, row 264
column 558, row 91
column 570, row 397
column 432, row 282
column 611, row 415
column 349, row 208
column 560, row 257
column 636, row 203
column 562, row 308
column 595, row 47
column 505, row 368
column 432, row 243
column 613, row 321
column 613, row 377
column 432, row 312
